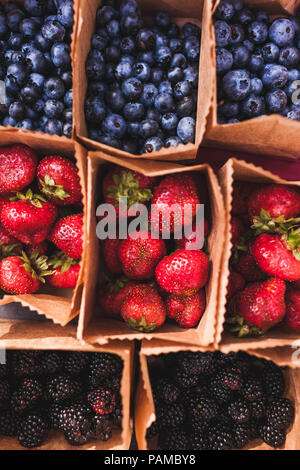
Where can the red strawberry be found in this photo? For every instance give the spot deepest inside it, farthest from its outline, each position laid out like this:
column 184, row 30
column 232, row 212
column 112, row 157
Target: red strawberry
column 236, row 282
column 276, row 200
column 272, row 255
column 123, row 182
column 17, row 168
column 258, row 307
column 28, row 219
column 112, row 295
column 188, row 241
column 237, row 230
column 140, row 256
column 65, row 271
column 42, row 248
column 67, row 235
column 292, row 318
column 23, row 275
column 183, row 272
column 247, row 267
column 186, row 310
column 58, row 180
column 174, row 189
column 111, row 255
column 143, row 309
column 240, row 195
column 6, row 238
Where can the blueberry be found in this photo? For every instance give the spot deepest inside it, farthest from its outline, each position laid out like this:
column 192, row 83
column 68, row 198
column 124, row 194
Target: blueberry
column 113, row 29
column 17, row 110
column 65, row 13
column 127, row 45
column 133, row 128
column 162, row 19
column 67, row 130
column 99, row 42
column 158, row 75
column 146, row 56
column 148, row 95
column 256, row 86
column 42, row 43
column 11, row 86
column 29, row 94
column 191, row 75
column 191, row 29
column 229, row 109
column 111, row 141
column 114, row 99
column 9, row 121
column 113, row 54
column 276, row 101
column 18, row 73
column 145, row 39
column 54, row 88
column 237, row 34
column 95, row 69
column 28, row 28
column 185, row 107
column 252, row 106
column 274, row 76
column 270, row 52
column 95, row 109
column 129, row 7
column 225, row 10
column 163, row 56
column 130, row 24
column 152, row 113
column 294, row 74
column 132, row 89
column 68, row 98
column 222, row 33
column 94, row 134
column 133, row 111
column 39, row 105
column 282, row 32
column 224, row 60
column 258, row 32
column 256, row 63
column 173, row 31
column 175, row 74
column 67, row 115
column 15, row 40
column 153, row 144
column 66, row 77
column 3, row 25
column 30, row 113
column 291, row 88
column 165, row 87
column 233, row 121
column 236, row 84
column 109, row 72
column 105, row 14
column 60, row 54
column 164, row 103
column 130, row 146
column 142, row 71
column 240, row 56
column 53, row 109
column 172, row 141
column 249, row 44
column 148, row 128
column 123, row 71
column 37, row 80
column 114, row 125
column 53, row 31
column 294, row 114
column 289, row 56
column 192, row 48
column 169, row 122
column 182, row 89
column 244, row 16
column 14, row 18
column 54, row 126
column 176, row 44
column 179, row 60
column 26, row 124
column 35, row 7
column 186, row 130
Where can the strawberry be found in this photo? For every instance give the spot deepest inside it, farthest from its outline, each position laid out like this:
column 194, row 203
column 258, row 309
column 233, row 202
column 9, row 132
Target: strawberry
column 112, row 295
column 273, row 256
column 58, row 180
column 139, row 256
column 247, row 267
column 29, row 218
column 42, row 248
column 6, row 238
column 183, row 272
column 67, row 235
column 143, row 309
column 236, row 282
column 241, row 192
column 179, row 189
column 187, row 241
column 111, row 255
column 123, row 182
column 276, row 200
column 17, row 168
column 292, row 318
column 23, row 275
column 258, row 307
column 237, row 230
column 65, row 271
column 186, row 310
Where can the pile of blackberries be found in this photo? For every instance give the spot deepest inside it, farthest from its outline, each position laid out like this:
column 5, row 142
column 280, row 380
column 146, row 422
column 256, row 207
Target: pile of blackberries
column 142, row 79
column 35, row 65
column 214, row 401
column 76, row 393
column 257, row 63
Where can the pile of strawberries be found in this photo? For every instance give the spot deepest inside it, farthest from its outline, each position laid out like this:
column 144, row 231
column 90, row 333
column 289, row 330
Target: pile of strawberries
column 149, row 280
column 264, row 284
column 40, row 221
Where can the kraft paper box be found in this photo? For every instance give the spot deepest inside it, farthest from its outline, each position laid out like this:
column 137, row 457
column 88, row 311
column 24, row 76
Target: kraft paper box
column 18, row 334
column 93, row 326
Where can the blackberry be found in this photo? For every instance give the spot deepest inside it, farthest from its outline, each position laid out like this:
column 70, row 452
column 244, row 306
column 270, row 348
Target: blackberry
column 239, row 411
column 198, row 426
column 220, row 393
column 273, row 382
column 230, row 378
column 153, row 430
column 33, row 430
column 77, row 437
column 104, row 365
column 280, row 413
column 28, row 394
column 9, row 423
column 202, row 409
column 103, row 401
column 3, row 371
column 252, row 389
column 76, row 415
column 54, row 411
column 26, row 363
column 4, row 390
column 50, row 362
column 112, row 382
column 100, row 428
column 171, row 416
column 253, row 428
column 184, row 380
column 173, row 439
column 219, row 436
column 76, row 362
column 194, row 363
column 198, row 441
column 167, row 391
column 117, row 415
column 272, row 436
column 258, row 409
column 62, row 388
column 240, row 435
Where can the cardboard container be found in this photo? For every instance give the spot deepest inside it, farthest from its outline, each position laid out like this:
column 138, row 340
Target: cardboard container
column 59, row 305
column 232, row 171
column 190, row 10
column 272, row 135
column 145, row 409
column 61, row 140
column 95, row 328
column 19, row 334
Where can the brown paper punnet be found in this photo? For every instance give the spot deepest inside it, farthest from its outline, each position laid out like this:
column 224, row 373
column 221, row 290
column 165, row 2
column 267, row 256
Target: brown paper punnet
column 59, row 305
column 145, row 409
column 272, row 135
column 92, row 326
column 232, row 171
column 18, row 334
column 85, row 15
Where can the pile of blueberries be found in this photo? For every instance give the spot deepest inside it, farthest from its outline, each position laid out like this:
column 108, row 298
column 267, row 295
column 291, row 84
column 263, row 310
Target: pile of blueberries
column 35, row 65
column 258, row 63
column 142, row 79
